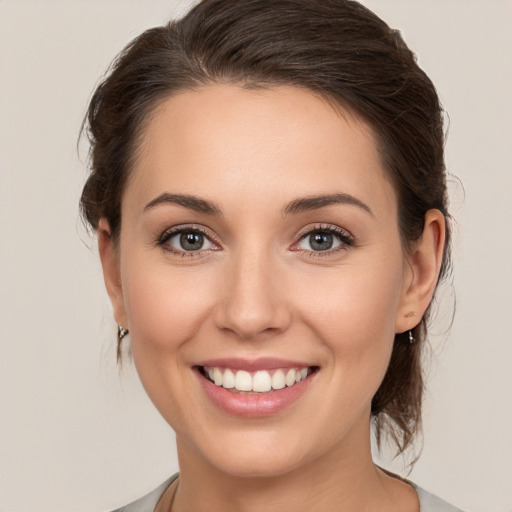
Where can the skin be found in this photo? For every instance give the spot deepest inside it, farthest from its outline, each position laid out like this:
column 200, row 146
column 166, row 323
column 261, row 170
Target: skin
column 259, row 289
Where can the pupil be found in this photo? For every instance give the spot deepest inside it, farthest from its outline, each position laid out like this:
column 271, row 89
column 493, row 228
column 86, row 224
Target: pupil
column 191, row 241
column 321, row 241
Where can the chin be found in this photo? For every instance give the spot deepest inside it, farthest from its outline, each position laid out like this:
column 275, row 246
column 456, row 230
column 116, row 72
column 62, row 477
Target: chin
column 249, row 454
column 261, row 465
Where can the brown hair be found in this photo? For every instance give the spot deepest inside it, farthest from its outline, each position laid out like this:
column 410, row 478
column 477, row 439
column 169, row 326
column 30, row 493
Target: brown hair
column 336, row 48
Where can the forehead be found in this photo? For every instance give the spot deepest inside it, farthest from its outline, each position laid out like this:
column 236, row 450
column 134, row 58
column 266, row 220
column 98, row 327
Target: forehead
column 225, row 141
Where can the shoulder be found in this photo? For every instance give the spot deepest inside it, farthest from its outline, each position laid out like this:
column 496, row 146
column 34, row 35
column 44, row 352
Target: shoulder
column 431, row 503
column 148, row 502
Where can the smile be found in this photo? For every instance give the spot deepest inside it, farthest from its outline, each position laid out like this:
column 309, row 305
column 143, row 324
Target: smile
column 256, row 388
column 260, row 381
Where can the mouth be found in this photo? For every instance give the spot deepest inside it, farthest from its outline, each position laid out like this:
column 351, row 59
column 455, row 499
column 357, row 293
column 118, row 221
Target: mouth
column 257, row 381
column 254, row 389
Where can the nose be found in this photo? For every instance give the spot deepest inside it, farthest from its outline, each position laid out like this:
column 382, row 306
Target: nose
column 253, row 298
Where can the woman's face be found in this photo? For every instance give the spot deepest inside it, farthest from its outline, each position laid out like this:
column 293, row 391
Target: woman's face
column 259, row 238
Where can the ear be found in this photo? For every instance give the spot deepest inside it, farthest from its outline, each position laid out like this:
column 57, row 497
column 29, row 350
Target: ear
column 111, row 271
column 424, row 264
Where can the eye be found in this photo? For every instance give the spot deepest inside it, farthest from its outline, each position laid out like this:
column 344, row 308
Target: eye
column 319, row 241
column 186, row 240
column 324, row 239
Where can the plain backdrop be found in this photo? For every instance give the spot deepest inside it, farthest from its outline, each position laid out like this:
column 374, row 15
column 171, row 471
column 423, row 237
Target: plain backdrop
column 76, row 433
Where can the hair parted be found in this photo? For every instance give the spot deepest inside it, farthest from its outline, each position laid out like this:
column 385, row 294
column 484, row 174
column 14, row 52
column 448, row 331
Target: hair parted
column 336, row 48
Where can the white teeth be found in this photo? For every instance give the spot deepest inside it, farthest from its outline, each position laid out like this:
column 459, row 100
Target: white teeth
column 243, row 381
column 290, row 377
column 228, row 381
column 217, row 377
column 259, row 382
column 278, row 380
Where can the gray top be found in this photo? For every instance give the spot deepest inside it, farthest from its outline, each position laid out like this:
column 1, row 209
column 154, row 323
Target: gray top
column 148, row 503
column 428, row 502
column 431, row 503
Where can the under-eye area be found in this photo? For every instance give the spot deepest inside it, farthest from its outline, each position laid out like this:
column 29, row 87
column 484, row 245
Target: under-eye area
column 259, row 381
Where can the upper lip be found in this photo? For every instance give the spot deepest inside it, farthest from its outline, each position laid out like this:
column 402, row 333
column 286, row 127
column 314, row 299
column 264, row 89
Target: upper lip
column 261, row 363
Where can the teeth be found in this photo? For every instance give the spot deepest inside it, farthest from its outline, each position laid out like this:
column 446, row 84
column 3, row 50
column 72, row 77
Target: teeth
column 278, row 381
column 217, row 377
column 290, row 378
column 228, row 380
column 243, row 381
column 260, row 381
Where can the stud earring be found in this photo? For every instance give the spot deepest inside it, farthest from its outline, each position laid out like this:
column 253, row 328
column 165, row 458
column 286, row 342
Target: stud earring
column 121, row 332
column 411, row 338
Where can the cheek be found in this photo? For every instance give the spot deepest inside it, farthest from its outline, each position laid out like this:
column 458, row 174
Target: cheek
column 165, row 306
column 360, row 301
column 352, row 309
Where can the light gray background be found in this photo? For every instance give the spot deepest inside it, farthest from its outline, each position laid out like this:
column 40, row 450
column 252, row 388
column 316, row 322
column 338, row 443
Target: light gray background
column 77, row 436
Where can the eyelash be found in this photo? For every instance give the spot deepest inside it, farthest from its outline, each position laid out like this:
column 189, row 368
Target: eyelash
column 176, row 230
column 346, row 240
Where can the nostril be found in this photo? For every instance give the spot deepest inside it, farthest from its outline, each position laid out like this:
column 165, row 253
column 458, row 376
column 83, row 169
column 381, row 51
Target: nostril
column 251, row 301
column 250, row 322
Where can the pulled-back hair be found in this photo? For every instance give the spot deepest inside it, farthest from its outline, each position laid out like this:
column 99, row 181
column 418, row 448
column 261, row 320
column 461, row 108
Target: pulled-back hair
column 336, row 48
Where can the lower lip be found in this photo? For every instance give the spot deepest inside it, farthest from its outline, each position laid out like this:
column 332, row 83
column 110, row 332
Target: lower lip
column 253, row 405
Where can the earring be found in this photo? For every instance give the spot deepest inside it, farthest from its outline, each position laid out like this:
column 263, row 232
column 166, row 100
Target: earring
column 121, row 332
column 411, row 338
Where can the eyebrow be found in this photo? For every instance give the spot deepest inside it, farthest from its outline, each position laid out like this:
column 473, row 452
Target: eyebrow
column 296, row 206
column 309, row 203
column 188, row 201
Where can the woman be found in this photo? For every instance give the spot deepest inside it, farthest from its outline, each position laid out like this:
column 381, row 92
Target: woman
column 268, row 189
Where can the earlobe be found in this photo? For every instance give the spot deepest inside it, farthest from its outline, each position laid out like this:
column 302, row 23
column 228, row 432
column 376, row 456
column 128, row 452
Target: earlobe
column 425, row 264
column 111, row 271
